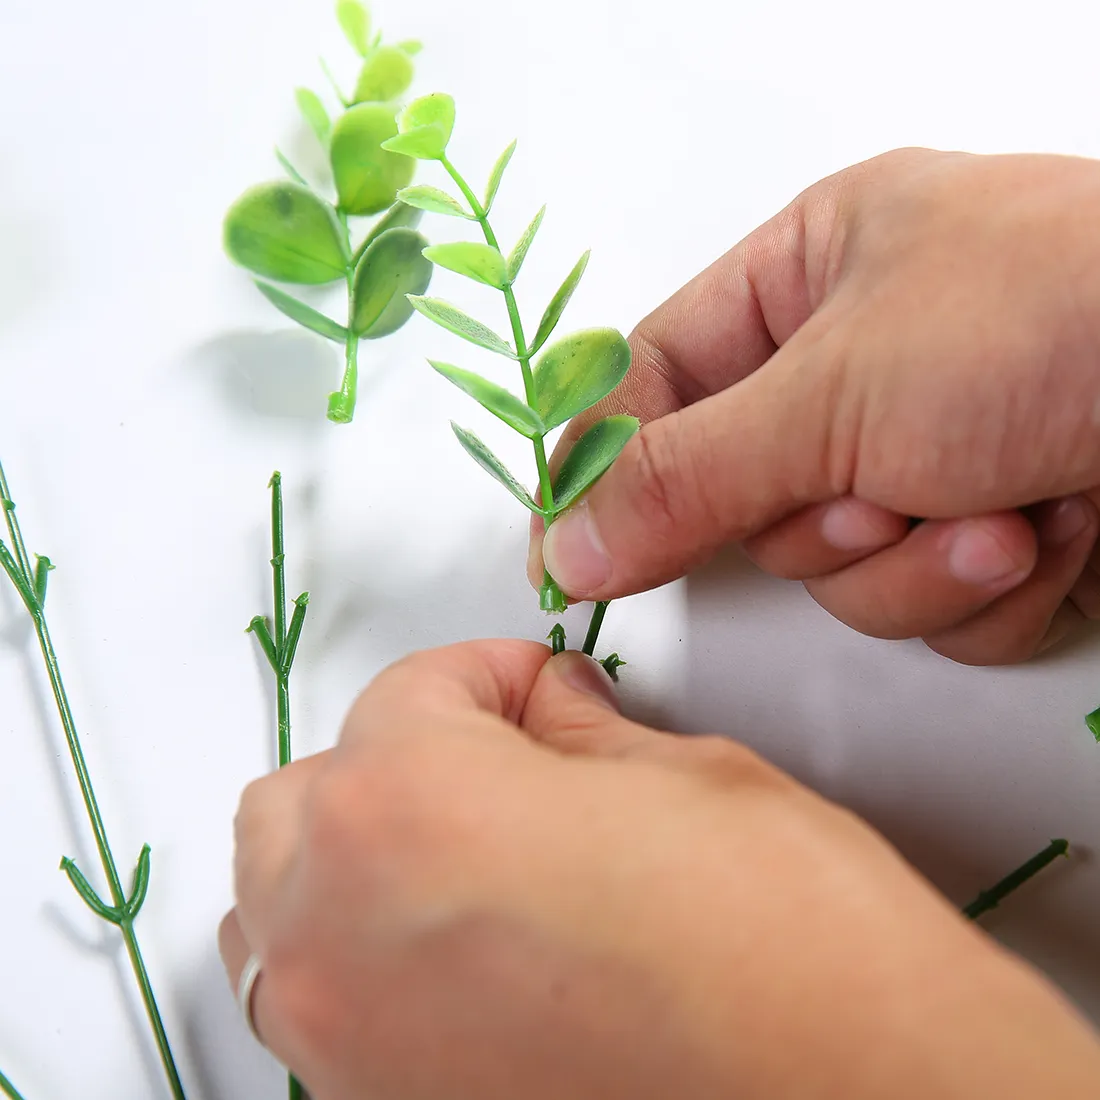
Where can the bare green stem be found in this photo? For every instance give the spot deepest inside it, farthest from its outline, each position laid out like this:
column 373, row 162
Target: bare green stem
column 594, row 626
column 9, row 1090
column 30, row 583
column 991, row 898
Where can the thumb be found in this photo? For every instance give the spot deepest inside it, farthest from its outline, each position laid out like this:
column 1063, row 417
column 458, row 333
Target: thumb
column 715, row 472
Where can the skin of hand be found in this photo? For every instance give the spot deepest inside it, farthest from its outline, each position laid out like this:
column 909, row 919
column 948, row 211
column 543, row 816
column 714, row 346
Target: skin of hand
column 917, row 336
column 496, row 886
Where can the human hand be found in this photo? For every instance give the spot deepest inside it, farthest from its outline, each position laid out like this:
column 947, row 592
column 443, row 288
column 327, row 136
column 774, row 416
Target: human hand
column 916, row 336
column 495, row 886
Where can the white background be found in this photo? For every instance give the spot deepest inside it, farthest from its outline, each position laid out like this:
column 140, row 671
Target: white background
column 148, row 392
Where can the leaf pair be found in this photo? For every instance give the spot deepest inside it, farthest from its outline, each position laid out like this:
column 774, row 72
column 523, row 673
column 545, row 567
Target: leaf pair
column 590, row 458
column 424, row 128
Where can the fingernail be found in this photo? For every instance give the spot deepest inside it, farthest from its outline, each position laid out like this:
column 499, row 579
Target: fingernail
column 978, row 557
column 585, row 675
column 1063, row 521
column 575, row 554
column 851, row 524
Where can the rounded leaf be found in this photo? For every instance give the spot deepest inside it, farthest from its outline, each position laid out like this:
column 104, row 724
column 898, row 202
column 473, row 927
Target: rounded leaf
column 574, row 373
column 391, row 268
column 354, row 21
column 283, row 231
column 425, row 126
column 367, row 176
column 385, row 75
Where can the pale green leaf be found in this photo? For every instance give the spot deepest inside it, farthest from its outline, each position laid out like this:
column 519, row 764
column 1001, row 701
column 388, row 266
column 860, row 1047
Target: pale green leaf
column 289, row 168
column 500, row 402
column 519, row 253
column 558, row 303
column 355, row 23
column 497, row 176
column 386, row 74
column 392, row 268
column 425, row 127
column 313, row 111
column 574, row 373
column 411, row 46
column 490, row 463
column 433, row 200
column 367, row 176
column 461, row 324
column 283, row 231
column 399, row 216
column 591, row 457
column 480, row 262
column 304, row 315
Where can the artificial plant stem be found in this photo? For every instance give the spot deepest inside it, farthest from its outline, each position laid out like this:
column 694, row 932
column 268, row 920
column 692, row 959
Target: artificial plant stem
column 87, row 791
column 991, row 898
column 9, row 1090
column 551, row 597
column 594, row 626
column 341, row 406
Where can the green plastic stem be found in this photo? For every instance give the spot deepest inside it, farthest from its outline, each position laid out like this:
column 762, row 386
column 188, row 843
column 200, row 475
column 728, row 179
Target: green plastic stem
column 991, row 898
column 594, row 626
column 341, row 405
column 9, row 1090
column 36, row 609
column 551, row 597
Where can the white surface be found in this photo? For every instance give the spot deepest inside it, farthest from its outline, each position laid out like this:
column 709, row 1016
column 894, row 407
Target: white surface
column 140, row 374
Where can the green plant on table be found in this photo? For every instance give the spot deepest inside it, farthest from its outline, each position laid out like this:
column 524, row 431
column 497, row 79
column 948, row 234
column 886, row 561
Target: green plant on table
column 30, row 583
column 561, row 379
column 289, row 232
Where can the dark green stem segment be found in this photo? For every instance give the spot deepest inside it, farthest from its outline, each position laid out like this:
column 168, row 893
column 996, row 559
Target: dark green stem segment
column 30, row 583
column 991, row 898
column 594, row 626
column 9, row 1090
column 280, row 644
column 551, row 597
column 557, row 639
column 1093, row 722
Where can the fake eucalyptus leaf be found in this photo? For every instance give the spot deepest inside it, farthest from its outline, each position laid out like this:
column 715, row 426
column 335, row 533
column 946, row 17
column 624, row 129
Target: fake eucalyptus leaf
column 304, row 315
column 425, row 127
column 461, row 324
column 558, row 303
column 519, row 253
column 434, row 200
column 574, row 373
column 399, row 216
column 480, row 262
column 497, row 176
column 391, row 268
column 313, row 111
column 490, row 463
column 284, row 231
column 591, row 457
column 354, row 21
column 386, row 74
column 500, row 402
column 367, row 176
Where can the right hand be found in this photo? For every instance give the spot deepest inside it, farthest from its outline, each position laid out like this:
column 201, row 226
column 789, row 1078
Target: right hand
column 916, row 336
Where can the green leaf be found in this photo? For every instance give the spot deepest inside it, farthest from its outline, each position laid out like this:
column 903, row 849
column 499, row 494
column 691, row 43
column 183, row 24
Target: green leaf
column 391, row 268
column 289, row 168
column 519, row 253
column 558, row 303
column 497, row 176
column 433, row 200
column 425, row 127
column 313, row 110
column 284, row 231
column 399, row 216
column 411, row 46
column 386, row 74
column 575, row 373
column 367, row 176
column 355, row 23
column 489, row 462
column 461, row 324
column 480, row 262
column 1093, row 722
column 500, row 402
column 304, row 315
column 591, row 457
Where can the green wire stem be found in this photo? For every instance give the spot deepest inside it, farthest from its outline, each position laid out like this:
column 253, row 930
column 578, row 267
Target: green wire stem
column 991, row 898
column 30, row 583
column 9, row 1090
column 280, row 646
column 594, row 627
column 551, row 597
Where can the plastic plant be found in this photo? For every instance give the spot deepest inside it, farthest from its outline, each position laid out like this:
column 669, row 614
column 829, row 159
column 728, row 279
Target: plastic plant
column 279, row 642
column 9, row 1090
column 569, row 375
column 991, row 898
column 1092, row 720
column 122, row 911
column 287, row 231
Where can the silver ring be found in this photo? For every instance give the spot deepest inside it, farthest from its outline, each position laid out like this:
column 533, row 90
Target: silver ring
column 246, row 990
